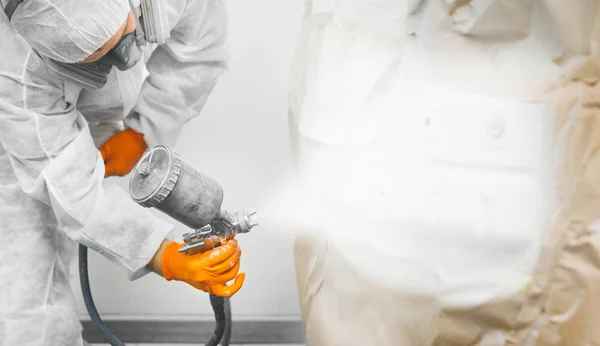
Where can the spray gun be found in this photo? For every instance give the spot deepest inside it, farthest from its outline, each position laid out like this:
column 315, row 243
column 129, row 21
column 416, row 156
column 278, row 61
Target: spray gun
column 161, row 180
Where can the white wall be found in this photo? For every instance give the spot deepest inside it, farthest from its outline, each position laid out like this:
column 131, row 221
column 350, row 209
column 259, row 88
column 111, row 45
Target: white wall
column 241, row 140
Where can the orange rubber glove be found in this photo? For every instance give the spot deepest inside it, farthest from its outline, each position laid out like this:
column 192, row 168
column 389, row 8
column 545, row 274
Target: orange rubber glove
column 122, row 152
column 208, row 271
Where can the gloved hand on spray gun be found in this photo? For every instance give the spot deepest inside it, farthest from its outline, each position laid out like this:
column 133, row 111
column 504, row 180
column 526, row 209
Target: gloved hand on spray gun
column 208, row 271
column 210, row 256
column 122, row 151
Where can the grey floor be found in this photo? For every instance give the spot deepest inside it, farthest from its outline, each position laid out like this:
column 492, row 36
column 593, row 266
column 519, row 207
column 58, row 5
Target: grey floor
column 192, row 345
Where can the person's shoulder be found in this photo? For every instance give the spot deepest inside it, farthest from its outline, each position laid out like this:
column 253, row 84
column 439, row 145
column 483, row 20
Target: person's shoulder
column 15, row 52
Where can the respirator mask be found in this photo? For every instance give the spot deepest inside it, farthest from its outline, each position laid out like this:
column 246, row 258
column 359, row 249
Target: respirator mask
column 151, row 27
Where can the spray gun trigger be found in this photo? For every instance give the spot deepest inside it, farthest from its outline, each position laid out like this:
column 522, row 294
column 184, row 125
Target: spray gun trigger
column 223, row 226
column 196, row 239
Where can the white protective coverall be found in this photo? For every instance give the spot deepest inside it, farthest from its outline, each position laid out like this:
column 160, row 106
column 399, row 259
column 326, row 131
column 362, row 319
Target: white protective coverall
column 51, row 173
column 450, row 154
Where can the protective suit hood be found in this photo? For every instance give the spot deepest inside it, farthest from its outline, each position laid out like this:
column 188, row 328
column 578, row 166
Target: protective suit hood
column 67, row 30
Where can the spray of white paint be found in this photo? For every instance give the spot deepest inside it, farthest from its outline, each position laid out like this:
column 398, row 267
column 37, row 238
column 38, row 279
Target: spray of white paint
column 453, row 197
column 469, row 232
column 419, row 168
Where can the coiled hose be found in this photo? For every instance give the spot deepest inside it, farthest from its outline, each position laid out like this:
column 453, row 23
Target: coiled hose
column 221, row 307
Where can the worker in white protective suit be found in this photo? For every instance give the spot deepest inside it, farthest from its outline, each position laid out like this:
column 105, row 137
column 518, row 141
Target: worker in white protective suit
column 450, row 151
column 68, row 65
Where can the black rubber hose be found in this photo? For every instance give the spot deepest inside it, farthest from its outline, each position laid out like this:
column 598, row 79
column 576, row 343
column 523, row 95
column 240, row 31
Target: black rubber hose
column 221, row 307
column 84, row 279
column 228, row 323
column 218, row 305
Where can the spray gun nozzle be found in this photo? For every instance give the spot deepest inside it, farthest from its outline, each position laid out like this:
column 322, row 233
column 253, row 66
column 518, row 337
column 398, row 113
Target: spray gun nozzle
column 244, row 222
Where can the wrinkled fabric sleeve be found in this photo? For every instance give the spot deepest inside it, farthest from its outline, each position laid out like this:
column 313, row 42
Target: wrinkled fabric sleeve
column 182, row 73
column 53, row 156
